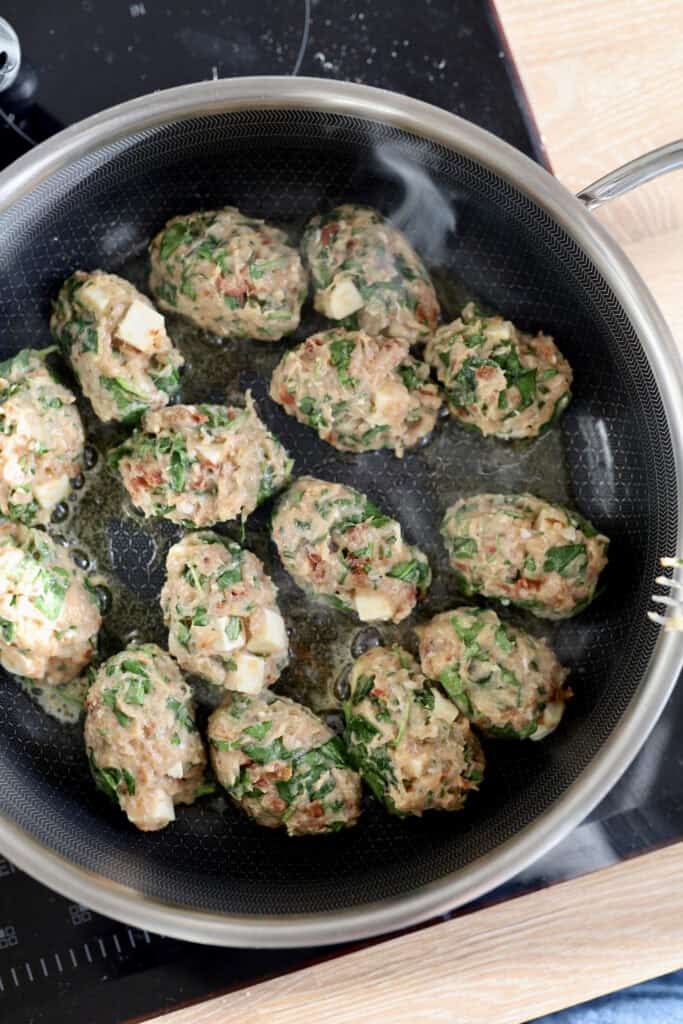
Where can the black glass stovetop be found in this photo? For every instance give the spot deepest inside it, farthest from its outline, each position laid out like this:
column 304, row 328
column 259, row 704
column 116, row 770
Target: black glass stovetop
column 58, row 960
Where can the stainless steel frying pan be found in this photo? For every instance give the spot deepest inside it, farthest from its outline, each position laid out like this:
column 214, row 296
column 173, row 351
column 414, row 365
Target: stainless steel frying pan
column 490, row 223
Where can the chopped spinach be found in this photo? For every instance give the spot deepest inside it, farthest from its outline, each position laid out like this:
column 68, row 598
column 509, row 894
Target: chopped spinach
column 8, row 630
column 309, row 407
column 54, row 584
column 364, row 684
column 341, row 351
column 109, row 698
column 360, row 729
column 424, row 697
column 178, row 234
column 233, row 627
column 108, row 780
column 505, row 640
column 452, row 683
column 409, row 376
column 467, row 633
column 373, row 432
column 260, row 730
column 463, row 547
column 414, row 571
column 561, row 559
column 182, row 713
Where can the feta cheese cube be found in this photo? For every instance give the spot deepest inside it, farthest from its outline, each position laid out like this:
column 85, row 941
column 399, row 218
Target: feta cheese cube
column 391, row 399
column 342, row 299
column 267, row 632
column 215, row 638
column 154, row 810
column 499, row 331
column 249, row 674
column 141, row 326
column 372, row 606
column 50, row 492
column 95, row 296
column 209, row 451
column 548, row 519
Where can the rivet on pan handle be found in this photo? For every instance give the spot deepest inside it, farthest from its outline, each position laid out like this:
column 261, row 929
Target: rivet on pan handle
column 10, row 55
column 636, row 172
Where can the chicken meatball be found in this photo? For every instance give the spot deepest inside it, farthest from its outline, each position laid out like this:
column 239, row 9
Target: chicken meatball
column 230, row 274
column 283, row 766
column 505, row 681
column 49, row 613
column 524, row 551
column 360, row 393
column 411, row 746
column 363, row 267
column 41, row 439
column 339, row 547
column 222, row 615
column 498, row 380
column 141, row 738
column 201, row 464
column 117, row 344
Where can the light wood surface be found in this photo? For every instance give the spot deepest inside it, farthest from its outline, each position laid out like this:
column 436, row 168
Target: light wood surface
column 605, row 83
column 502, row 965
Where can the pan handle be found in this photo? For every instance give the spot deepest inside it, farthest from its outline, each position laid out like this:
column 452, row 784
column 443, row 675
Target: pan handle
column 629, row 176
column 10, row 55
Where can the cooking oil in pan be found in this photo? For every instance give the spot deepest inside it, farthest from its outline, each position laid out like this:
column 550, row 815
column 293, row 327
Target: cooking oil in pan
column 128, row 551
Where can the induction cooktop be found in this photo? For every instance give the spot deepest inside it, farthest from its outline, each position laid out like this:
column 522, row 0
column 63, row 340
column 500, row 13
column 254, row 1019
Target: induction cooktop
column 60, row 960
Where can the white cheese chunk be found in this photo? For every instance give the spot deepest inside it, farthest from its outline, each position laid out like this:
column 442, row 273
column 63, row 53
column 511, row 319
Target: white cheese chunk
column 11, row 560
column 95, row 296
column 391, row 399
column 267, row 632
column 342, row 299
column 499, row 331
column 51, row 492
column 210, row 452
column 214, row 637
column 141, row 326
column 372, row 606
column 154, row 810
column 249, row 675
column 231, row 639
column 547, row 519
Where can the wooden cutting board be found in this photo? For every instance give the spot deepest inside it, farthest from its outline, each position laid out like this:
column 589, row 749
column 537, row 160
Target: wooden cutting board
column 604, row 81
column 502, row 965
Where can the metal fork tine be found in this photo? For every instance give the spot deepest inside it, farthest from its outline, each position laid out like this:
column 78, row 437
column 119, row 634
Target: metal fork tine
column 665, row 581
column 671, row 623
column 670, row 602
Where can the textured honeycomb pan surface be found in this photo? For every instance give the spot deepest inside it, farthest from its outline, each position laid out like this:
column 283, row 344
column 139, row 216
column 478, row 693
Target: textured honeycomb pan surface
column 611, row 457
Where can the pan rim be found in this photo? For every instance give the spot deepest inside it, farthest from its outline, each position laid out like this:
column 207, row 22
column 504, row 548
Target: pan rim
column 492, row 869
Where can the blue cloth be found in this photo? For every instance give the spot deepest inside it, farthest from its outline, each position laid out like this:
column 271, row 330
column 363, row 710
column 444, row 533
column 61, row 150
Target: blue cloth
column 654, row 1002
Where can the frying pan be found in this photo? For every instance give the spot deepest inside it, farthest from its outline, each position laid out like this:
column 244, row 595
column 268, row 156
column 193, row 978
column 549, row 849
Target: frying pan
column 490, row 224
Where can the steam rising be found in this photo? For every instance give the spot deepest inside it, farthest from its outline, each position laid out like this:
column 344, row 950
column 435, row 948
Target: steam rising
column 424, row 214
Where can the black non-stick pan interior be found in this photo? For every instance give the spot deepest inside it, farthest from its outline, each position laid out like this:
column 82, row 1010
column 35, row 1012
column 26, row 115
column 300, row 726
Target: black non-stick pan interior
column 611, row 457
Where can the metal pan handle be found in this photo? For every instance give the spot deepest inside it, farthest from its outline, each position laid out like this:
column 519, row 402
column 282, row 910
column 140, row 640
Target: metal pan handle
column 10, row 55
column 629, row 176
